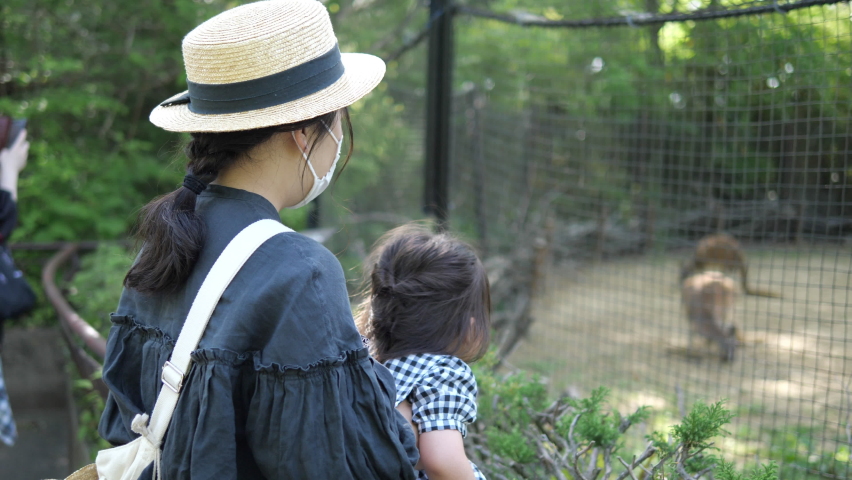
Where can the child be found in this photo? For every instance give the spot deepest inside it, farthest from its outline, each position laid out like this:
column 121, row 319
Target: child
column 426, row 315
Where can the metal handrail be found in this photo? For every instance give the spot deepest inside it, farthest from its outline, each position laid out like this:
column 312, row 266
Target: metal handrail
column 67, row 315
column 72, row 325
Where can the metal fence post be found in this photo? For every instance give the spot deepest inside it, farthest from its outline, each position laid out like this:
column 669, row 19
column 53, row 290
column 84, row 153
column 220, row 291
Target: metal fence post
column 439, row 89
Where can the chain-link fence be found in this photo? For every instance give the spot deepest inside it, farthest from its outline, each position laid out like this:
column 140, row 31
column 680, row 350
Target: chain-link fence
column 588, row 162
column 646, row 139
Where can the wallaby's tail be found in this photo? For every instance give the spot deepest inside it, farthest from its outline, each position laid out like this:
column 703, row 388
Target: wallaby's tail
column 757, row 292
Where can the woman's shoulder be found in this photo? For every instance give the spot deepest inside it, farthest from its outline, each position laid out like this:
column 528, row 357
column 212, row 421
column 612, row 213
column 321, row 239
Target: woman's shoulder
column 290, row 250
column 288, row 301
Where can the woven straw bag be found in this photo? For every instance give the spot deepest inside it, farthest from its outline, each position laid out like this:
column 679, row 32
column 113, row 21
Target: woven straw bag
column 128, row 461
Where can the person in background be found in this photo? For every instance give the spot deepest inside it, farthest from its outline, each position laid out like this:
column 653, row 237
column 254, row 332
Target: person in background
column 426, row 315
column 12, row 161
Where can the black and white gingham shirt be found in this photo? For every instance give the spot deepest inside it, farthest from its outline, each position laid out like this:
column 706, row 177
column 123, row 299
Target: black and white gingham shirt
column 442, row 392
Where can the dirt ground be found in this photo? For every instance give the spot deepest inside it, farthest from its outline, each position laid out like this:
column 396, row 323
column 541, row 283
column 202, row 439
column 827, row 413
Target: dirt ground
column 620, row 324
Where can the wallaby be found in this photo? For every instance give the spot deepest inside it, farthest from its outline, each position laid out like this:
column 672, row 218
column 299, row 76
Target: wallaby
column 722, row 252
column 709, row 301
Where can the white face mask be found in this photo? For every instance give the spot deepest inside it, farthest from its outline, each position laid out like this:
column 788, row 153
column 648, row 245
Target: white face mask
column 320, row 184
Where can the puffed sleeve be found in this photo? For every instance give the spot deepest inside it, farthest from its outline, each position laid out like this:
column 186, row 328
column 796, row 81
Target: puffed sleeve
column 445, row 398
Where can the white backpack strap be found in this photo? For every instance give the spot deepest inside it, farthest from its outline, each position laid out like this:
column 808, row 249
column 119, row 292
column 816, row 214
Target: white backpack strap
column 226, row 267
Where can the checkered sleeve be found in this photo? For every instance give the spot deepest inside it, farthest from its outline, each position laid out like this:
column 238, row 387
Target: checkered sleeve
column 445, row 397
column 8, row 432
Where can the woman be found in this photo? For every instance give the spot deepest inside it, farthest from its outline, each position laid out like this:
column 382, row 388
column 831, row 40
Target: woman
column 280, row 385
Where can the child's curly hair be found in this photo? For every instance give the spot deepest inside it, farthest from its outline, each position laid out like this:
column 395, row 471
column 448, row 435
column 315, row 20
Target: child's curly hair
column 425, row 293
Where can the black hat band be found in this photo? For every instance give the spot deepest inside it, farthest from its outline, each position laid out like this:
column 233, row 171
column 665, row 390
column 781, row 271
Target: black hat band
column 276, row 89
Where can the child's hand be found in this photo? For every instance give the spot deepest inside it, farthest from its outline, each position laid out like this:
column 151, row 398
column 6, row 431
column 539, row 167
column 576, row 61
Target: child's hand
column 442, row 456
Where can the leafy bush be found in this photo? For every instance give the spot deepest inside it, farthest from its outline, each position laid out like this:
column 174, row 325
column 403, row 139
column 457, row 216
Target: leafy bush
column 95, row 290
column 90, row 406
column 520, row 435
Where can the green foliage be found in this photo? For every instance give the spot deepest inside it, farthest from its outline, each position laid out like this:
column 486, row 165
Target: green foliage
column 701, row 424
column 726, row 471
column 87, row 82
column 96, row 288
column 512, row 445
column 295, row 219
column 690, row 440
column 505, row 404
column 508, row 399
column 518, row 428
column 90, row 405
column 800, row 449
column 594, row 425
column 659, row 441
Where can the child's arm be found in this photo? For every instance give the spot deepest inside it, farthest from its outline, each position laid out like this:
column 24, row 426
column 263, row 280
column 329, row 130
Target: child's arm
column 442, row 456
column 404, row 408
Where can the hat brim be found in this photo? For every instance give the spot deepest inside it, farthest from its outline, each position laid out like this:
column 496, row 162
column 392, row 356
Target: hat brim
column 362, row 73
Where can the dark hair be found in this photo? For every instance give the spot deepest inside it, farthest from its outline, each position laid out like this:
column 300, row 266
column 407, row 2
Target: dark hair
column 423, row 290
column 170, row 231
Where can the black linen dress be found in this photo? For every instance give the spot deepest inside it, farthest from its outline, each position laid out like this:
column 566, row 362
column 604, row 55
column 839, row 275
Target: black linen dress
column 280, row 386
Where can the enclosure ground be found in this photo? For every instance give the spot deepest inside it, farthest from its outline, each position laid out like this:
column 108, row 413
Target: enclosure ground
column 619, row 324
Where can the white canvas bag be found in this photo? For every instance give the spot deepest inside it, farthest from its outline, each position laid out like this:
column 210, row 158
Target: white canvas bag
column 128, row 461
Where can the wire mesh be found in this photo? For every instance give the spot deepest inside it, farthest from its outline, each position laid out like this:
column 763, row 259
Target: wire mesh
column 612, row 14
column 621, row 148
column 394, row 137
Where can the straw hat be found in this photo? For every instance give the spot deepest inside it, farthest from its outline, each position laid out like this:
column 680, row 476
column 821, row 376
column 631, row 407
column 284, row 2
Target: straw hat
column 266, row 63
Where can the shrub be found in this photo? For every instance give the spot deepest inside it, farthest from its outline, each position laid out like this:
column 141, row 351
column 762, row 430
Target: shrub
column 519, row 434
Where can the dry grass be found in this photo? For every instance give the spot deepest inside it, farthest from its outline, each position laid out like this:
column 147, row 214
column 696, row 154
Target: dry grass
column 620, row 324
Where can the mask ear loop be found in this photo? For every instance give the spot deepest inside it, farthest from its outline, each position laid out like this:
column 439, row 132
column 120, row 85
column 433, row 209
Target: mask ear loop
column 305, row 155
column 330, row 132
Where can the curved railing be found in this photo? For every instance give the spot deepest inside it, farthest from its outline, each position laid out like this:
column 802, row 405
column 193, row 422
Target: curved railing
column 74, row 328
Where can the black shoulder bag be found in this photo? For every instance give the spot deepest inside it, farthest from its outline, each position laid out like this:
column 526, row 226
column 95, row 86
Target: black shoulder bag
column 16, row 295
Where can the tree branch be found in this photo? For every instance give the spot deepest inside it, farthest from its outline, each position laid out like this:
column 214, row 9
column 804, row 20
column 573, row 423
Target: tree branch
column 628, row 469
column 407, row 45
column 397, row 31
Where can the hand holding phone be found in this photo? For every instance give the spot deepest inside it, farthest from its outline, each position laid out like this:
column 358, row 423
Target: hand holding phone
column 14, row 156
column 18, row 125
column 10, row 129
column 12, row 161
